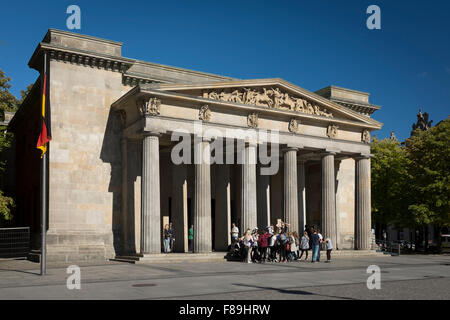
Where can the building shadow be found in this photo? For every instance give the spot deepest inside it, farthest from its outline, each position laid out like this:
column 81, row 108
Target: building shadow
column 111, row 153
column 291, row 291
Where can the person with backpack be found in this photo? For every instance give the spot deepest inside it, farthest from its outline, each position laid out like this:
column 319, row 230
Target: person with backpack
column 304, row 245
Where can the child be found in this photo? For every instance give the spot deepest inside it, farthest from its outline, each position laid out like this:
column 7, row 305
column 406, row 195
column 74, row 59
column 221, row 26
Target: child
column 329, row 246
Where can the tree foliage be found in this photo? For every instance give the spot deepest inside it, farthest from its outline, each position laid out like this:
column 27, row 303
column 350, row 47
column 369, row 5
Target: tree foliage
column 390, row 180
column 411, row 183
column 8, row 102
column 429, row 152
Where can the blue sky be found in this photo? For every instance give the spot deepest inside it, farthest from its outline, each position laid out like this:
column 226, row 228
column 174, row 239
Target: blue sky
column 404, row 66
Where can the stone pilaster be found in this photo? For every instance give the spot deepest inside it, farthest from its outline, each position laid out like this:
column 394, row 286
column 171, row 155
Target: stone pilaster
column 328, row 197
column 202, row 209
column 150, row 196
column 362, row 203
column 290, row 189
column 301, row 178
column 248, row 189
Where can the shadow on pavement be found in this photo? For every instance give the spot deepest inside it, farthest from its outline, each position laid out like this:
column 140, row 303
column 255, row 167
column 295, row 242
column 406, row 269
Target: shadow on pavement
column 290, row 291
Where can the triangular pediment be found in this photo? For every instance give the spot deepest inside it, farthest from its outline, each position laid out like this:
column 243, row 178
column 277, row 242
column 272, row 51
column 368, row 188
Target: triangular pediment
column 273, row 94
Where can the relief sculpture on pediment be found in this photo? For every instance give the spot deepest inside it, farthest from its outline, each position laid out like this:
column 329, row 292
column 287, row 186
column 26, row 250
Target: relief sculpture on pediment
column 270, row 98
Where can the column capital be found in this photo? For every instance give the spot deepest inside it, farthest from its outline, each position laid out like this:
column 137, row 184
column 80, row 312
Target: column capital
column 328, row 153
column 152, row 134
column 363, row 156
column 288, row 148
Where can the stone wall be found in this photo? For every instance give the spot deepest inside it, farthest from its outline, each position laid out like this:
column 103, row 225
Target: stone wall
column 85, row 169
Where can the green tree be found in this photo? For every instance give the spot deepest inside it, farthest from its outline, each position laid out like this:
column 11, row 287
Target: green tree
column 390, row 183
column 8, row 102
column 429, row 153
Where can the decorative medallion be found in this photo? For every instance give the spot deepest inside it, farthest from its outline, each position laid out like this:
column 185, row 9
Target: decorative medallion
column 150, row 107
column 365, row 137
column 293, row 125
column 332, row 131
column 204, row 113
column 252, row 120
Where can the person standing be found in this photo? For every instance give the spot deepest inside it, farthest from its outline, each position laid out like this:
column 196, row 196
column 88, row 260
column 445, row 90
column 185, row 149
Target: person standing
column 329, row 246
column 304, row 245
column 282, row 241
column 262, row 244
column 255, row 251
column 172, row 236
column 166, row 238
column 315, row 241
column 292, row 247
column 191, row 238
column 247, row 240
column 320, row 243
column 273, row 247
column 234, row 233
column 297, row 245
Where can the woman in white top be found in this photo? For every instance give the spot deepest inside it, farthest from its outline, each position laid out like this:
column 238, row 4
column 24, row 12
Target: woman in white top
column 247, row 239
column 304, row 245
column 329, row 246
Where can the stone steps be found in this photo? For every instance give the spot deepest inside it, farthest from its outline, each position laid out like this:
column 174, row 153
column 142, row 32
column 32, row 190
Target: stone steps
column 221, row 256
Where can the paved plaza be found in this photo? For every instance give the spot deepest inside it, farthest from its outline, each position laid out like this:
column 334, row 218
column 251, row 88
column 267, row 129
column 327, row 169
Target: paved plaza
column 404, row 277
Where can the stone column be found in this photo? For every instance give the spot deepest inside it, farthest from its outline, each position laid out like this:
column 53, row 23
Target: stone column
column 290, row 189
column 124, row 222
column 328, row 197
column 179, row 177
column 362, row 202
column 248, row 189
column 222, row 208
column 202, row 209
column 150, row 196
column 301, row 196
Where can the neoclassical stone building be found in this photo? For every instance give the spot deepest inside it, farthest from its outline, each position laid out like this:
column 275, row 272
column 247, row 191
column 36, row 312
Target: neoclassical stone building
column 120, row 127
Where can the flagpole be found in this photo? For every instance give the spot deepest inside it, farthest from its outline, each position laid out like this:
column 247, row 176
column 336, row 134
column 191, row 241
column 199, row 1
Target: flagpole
column 44, row 195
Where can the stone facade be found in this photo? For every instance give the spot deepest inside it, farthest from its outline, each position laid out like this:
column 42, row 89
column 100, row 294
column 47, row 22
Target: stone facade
column 112, row 181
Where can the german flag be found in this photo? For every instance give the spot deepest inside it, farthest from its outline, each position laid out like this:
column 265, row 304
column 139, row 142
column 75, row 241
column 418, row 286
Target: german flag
column 45, row 130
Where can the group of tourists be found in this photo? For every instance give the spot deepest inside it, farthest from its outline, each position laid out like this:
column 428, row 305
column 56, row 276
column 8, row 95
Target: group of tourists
column 279, row 245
